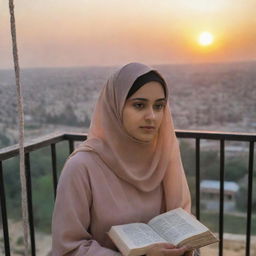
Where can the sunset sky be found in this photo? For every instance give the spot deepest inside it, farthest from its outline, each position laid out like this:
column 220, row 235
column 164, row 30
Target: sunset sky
column 56, row 33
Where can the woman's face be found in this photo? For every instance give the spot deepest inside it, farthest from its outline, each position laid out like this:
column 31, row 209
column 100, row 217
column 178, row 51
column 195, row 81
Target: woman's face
column 143, row 112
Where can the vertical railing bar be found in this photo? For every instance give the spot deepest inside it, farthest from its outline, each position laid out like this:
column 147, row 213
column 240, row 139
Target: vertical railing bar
column 221, row 206
column 198, row 178
column 71, row 146
column 54, row 168
column 249, row 199
column 4, row 213
column 30, row 207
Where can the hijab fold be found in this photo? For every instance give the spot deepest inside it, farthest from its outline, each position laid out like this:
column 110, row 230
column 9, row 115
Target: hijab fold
column 144, row 165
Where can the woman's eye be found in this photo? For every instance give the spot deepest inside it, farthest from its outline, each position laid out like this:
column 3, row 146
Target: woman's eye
column 159, row 106
column 138, row 105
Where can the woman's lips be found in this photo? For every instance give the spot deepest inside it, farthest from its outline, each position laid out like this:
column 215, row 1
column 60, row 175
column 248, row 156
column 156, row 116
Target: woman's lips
column 148, row 128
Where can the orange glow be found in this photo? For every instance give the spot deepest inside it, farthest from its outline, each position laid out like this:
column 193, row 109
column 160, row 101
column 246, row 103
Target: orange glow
column 83, row 32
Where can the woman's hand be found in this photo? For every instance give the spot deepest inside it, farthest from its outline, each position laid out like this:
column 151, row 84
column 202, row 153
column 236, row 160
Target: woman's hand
column 189, row 253
column 165, row 249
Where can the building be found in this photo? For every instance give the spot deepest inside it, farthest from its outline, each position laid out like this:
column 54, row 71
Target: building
column 210, row 193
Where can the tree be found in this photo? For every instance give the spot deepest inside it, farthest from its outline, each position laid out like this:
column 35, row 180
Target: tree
column 235, row 169
column 242, row 195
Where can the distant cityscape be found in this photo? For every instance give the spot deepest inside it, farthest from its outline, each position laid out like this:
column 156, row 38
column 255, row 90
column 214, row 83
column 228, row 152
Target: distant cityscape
column 211, row 97
column 219, row 97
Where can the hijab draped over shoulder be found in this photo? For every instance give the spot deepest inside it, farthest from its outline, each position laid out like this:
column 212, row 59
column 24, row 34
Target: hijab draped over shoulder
column 145, row 165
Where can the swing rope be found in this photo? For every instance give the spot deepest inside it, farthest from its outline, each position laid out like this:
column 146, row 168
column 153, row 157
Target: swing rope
column 21, row 129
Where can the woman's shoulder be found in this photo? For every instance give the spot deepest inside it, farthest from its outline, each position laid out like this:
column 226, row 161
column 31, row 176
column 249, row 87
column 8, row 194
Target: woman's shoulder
column 74, row 175
column 77, row 165
column 81, row 158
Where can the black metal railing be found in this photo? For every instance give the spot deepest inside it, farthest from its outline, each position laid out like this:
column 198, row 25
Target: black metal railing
column 222, row 137
column 52, row 140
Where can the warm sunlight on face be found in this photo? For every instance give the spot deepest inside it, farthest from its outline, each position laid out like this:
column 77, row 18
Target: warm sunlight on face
column 205, row 38
column 143, row 112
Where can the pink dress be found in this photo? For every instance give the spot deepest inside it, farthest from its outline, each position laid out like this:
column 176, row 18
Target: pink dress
column 89, row 202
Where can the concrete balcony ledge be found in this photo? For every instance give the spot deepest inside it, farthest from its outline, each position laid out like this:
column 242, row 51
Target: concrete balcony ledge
column 233, row 245
column 237, row 242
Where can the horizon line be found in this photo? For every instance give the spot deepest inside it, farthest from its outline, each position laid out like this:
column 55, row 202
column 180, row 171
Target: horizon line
column 158, row 64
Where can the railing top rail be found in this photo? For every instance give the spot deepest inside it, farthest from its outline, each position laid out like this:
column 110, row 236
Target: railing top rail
column 216, row 135
column 39, row 142
column 52, row 138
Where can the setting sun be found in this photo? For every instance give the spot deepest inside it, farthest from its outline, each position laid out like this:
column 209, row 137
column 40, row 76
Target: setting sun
column 205, row 38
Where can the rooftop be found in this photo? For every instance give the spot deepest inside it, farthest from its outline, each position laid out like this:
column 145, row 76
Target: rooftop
column 215, row 184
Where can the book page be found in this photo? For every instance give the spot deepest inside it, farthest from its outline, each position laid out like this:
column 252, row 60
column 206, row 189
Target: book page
column 176, row 225
column 137, row 234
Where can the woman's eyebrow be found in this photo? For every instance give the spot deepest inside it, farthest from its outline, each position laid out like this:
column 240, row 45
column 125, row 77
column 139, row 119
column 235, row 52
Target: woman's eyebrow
column 139, row 99
column 162, row 99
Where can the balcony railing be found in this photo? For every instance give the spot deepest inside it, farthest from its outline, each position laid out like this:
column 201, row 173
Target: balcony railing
column 197, row 136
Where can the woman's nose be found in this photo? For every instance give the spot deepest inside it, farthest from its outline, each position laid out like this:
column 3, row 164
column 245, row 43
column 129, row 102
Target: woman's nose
column 150, row 114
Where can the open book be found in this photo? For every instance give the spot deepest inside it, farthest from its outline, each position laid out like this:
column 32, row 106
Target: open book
column 176, row 227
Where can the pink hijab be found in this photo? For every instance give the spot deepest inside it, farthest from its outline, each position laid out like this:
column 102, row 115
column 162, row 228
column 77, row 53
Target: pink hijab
column 145, row 165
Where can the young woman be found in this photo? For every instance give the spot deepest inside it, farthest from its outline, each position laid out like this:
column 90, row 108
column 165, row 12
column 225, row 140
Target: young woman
column 128, row 170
